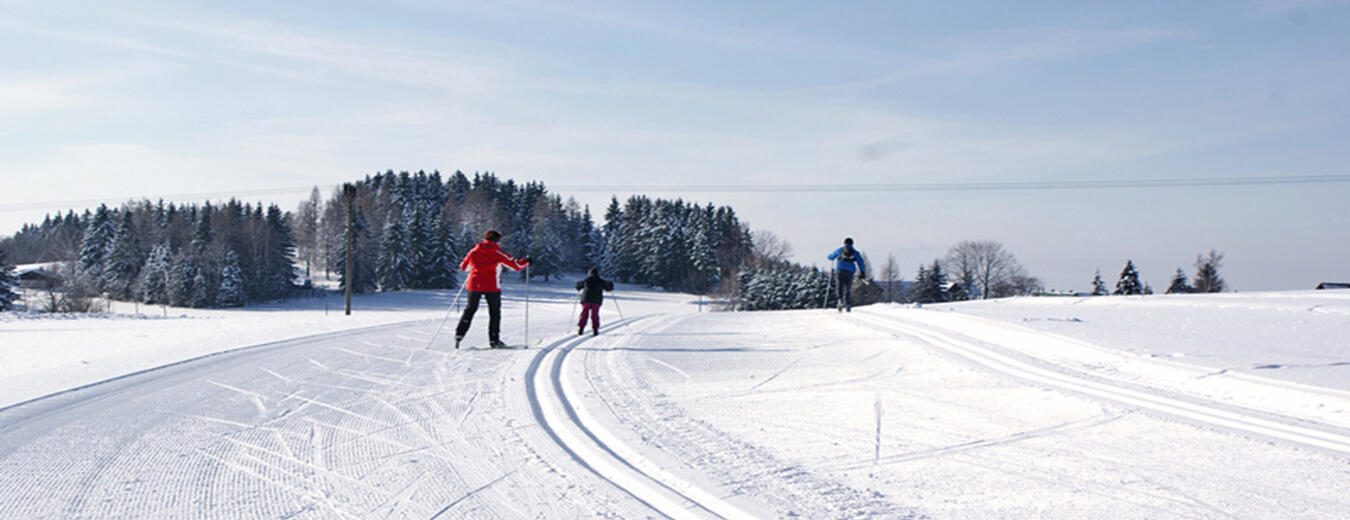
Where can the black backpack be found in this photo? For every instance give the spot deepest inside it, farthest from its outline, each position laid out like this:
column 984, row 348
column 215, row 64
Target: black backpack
column 846, row 254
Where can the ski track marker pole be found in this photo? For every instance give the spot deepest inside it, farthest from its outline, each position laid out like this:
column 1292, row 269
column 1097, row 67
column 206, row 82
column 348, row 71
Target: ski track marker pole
column 527, row 304
column 453, row 307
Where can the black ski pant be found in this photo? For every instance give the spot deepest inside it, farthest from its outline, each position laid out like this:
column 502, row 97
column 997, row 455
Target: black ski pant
column 845, row 288
column 494, row 300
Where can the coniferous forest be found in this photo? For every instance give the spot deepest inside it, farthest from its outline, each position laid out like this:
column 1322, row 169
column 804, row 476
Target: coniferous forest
column 410, row 231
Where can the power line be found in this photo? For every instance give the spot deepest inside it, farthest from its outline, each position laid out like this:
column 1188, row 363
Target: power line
column 972, row 186
column 782, row 188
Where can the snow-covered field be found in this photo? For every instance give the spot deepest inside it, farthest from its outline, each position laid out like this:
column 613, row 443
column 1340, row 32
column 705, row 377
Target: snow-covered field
column 1231, row 405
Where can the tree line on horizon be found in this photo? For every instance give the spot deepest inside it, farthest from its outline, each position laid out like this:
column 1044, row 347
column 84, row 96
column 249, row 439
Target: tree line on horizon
column 1207, row 279
column 410, row 231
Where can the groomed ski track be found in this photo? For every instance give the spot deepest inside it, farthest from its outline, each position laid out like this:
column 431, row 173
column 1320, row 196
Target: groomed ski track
column 591, row 445
column 664, row 415
column 1191, row 409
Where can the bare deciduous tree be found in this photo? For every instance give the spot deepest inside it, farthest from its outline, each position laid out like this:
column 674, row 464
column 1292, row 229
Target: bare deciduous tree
column 983, row 263
column 306, row 229
column 890, row 272
column 769, row 248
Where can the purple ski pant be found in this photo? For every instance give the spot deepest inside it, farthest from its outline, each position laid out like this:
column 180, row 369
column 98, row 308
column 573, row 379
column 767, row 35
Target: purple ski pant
column 594, row 310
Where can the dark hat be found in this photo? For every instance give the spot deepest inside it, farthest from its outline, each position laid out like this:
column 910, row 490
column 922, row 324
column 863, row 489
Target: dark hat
column 594, row 272
column 848, row 241
column 492, row 235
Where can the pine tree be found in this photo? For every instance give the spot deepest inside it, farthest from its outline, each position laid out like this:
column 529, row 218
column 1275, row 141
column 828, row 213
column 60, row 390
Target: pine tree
column 363, row 271
column 1207, row 278
column 441, row 265
column 1098, row 286
column 179, row 283
column 8, row 281
column 420, row 246
column 155, row 274
column 277, row 269
column 394, row 267
column 932, row 287
column 231, row 293
column 1129, row 280
column 202, row 236
column 121, row 261
column 201, row 290
column 98, row 234
column 1179, row 285
column 546, row 252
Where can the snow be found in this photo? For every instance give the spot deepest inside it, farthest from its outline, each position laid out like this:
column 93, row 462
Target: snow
column 1114, row 407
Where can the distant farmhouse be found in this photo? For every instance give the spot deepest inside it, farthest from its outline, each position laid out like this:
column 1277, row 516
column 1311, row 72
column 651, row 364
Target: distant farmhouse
column 38, row 276
column 1333, row 285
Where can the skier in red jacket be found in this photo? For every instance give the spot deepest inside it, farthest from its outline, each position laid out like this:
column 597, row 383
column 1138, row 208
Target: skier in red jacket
column 481, row 263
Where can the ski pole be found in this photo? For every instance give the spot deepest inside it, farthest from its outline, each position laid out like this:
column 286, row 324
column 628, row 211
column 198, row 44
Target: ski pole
column 574, row 312
column 453, row 307
column 615, row 298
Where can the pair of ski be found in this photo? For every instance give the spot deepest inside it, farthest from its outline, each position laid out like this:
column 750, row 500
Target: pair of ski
column 499, row 346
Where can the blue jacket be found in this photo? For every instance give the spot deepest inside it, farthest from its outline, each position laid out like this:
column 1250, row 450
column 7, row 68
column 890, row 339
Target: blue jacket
column 857, row 265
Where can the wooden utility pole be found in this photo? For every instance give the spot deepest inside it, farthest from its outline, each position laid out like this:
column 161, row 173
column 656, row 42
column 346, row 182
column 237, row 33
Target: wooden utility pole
column 349, row 192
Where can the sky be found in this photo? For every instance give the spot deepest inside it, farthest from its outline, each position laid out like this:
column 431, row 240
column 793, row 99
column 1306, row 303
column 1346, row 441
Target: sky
column 106, row 101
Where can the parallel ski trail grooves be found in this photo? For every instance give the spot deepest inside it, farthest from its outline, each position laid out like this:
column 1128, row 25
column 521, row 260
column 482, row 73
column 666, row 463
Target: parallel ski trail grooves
column 604, row 454
column 1196, row 410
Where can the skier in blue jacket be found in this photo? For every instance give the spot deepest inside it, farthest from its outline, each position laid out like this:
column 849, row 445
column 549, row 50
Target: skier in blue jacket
column 847, row 262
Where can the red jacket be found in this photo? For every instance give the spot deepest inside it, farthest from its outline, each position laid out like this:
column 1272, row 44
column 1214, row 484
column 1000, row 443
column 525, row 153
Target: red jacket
column 481, row 263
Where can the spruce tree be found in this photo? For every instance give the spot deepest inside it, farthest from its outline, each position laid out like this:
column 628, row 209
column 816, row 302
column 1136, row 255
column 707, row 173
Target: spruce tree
column 440, row 265
column 155, row 274
column 179, row 283
column 363, row 270
column 231, row 293
column 8, row 281
column 202, row 236
column 1179, row 285
column 202, row 295
column 1129, row 280
column 934, row 288
column 1207, row 278
column 394, row 267
column 1098, row 286
column 121, row 261
column 98, row 234
column 278, row 261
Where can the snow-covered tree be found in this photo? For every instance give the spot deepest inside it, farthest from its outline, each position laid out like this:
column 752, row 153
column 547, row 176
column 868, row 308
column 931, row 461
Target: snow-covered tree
column 1098, row 286
column 1207, row 278
column 1129, row 280
column 202, row 294
column 1179, row 285
column 98, row 234
column 155, row 274
column 276, row 267
column 122, row 260
column 363, row 271
column 439, row 264
column 8, row 281
column 394, row 266
column 931, row 285
column 179, row 283
column 231, row 293
column 202, row 236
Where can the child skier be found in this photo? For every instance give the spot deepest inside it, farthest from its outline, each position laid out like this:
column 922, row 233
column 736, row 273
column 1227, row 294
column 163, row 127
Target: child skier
column 482, row 262
column 847, row 261
column 593, row 295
